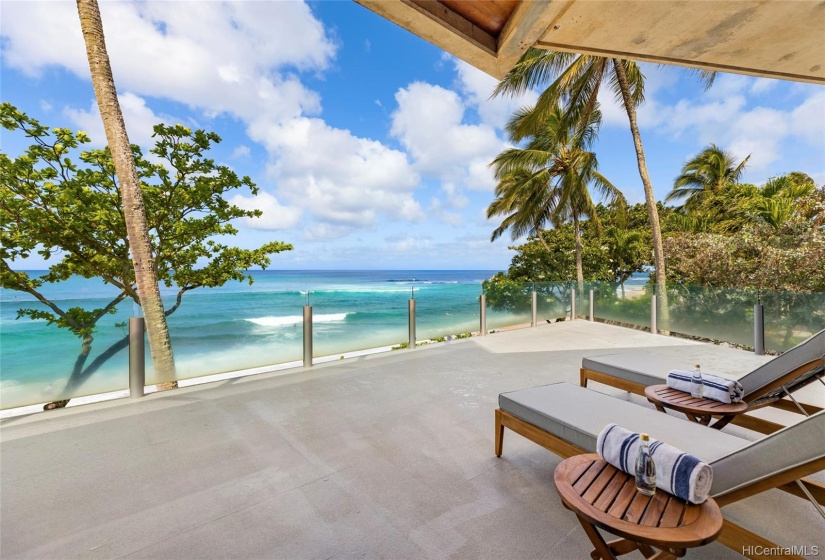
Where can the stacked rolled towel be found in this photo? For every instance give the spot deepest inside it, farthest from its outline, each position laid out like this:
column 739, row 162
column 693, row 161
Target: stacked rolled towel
column 714, row 387
column 677, row 472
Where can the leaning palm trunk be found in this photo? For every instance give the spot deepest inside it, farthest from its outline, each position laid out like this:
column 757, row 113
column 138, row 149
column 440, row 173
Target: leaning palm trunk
column 133, row 207
column 650, row 199
column 579, row 268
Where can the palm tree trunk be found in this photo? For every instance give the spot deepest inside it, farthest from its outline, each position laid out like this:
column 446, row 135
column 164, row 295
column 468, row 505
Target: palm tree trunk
column 133, row 207
column 650, row 198
column 579, row 268
column 540, row 235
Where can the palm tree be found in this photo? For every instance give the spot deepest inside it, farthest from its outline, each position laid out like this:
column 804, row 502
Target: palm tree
column 709, row 171
column 576, row 80
column 777, row 201
column 547, row 182
column 133, row 208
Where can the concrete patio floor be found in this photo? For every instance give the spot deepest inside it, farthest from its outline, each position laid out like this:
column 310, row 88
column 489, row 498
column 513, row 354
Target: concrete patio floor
column 384, row 456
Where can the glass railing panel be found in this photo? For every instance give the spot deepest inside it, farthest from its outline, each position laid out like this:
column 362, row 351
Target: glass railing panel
column 791, row 317
column 552, row 301
column 233, row 328
column 624, row 305
column 509, row 305
column 446, row 310
column 349, row 319
column 39, row 360
column 715, row 313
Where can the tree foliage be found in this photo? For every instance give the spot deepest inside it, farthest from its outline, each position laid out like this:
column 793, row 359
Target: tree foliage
column 63, row 203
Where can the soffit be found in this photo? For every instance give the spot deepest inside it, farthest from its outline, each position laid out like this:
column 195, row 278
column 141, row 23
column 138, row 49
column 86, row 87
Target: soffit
column 770, row 38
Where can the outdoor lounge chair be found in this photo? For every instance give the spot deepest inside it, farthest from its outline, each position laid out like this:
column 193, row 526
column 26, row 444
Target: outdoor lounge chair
column 767, row 385
column 566, row 419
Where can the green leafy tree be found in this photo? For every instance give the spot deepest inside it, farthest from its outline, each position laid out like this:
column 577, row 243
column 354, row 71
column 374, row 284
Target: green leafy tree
column 709, row 171
column 70, row 211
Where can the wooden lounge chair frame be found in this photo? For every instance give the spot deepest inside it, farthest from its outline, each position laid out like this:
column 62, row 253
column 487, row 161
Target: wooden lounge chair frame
column 758, row 399
column 733, row 536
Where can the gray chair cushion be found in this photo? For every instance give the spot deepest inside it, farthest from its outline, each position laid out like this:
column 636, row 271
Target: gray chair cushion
column 638, row 367
column 577, row 415
column 648, row 369
column 797, row 356
column 792, row 446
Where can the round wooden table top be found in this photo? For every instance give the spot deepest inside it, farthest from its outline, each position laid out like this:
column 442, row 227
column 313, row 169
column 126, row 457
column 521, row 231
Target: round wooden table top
column 607, row 498
column 684, row 402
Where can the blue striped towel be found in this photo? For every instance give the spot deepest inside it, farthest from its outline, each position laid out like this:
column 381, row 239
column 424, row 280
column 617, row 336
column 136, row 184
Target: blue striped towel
column 713, row 387
column 677, row 472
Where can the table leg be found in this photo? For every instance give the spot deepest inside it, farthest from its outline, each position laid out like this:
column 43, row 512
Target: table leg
column 722, row 422
column 623, row 546
column 602, row 549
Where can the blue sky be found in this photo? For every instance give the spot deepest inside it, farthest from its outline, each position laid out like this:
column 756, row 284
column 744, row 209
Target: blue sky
column 370, row 146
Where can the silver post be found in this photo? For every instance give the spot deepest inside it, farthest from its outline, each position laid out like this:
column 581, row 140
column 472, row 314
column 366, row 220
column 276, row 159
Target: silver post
column 573, row 305
column 592, row 317
column 307, row 336
column 759, row 329
column 137, row 357
column 411, row 309
column 483, row 315
column 653, row 327
column 534, row 320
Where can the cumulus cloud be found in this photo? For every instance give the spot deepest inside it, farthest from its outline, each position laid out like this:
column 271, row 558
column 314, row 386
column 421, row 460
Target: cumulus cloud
column 241, row 151
column 808, row 119
column 478, row 87
column 429, row 124
column 218, row 56
column 733, row 123
column 274, row 217
column 139, row 118
column 338, row 177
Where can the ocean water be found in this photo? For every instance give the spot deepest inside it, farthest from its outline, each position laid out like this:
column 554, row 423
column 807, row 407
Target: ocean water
column 238, row 326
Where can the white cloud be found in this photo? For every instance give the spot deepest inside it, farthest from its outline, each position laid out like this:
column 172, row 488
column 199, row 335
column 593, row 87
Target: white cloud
column 218, row 56
column 274, row 217
column 242, row 151
column 408, row 243
column 730, row 123
column 338, row 177
column 428, row 123
column 438, row 212
column 478, row 87
column 139, row 118
column 808, row 119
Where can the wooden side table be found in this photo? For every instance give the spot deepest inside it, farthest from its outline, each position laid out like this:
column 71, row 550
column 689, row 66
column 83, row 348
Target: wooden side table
column 603, row 496
column 698, row 410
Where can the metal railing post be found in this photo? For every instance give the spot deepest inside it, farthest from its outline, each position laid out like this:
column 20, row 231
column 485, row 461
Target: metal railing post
column 137, row 357
column 307, row 336
column 653, row 327
column 534, row 307
column 482, row 315
column 592, row 317
column 759, row 329
column 573, row 305
column 411, row 315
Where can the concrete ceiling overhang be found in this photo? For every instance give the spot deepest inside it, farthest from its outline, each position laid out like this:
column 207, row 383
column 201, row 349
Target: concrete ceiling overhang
column 782, row 39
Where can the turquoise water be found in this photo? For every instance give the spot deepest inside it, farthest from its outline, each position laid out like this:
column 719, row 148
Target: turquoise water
column 237, row 326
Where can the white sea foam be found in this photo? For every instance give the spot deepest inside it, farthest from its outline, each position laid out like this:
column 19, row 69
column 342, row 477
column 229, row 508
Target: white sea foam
column 297, row 319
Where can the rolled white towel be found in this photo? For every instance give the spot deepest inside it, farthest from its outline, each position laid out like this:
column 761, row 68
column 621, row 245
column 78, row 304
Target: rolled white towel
column 677, row 472
column 713, row 387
